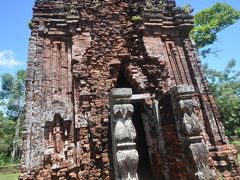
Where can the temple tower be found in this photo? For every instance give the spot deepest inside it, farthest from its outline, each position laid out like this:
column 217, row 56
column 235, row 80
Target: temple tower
column 115, row 90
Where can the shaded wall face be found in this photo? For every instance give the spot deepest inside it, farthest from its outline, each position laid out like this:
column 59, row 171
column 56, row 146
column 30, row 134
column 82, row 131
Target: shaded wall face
column 49, row 92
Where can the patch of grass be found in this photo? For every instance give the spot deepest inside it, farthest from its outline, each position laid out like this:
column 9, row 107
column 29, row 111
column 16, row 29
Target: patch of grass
column 236, row 143
column 8, row 176
column 9, row 169
column 9, row 172
column 238, row 158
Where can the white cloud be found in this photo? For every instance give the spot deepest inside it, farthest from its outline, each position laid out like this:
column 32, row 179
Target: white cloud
column 7, row 59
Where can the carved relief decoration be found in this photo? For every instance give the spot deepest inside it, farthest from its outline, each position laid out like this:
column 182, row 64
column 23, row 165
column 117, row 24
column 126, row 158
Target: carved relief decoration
column 128, row 163
column 124, row 135
column 57, row 107
column 190, row 127
column 82, row 120
column 58, row 146
column 189, row 130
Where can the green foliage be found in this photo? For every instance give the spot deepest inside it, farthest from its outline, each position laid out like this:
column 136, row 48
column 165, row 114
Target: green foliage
column 237, row 143
column 225, row 86
column 186, row 9
column 136, row 18
column 210, row 21
column 6, row 160
column 30, row 25
column 11, row 107
column 150, row 5
column 7, row 83
column 237, row 131
column 161, row 3
column 7, row 131
column 12, row 93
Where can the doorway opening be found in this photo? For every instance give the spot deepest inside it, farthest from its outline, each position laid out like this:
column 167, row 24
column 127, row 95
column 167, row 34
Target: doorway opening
column 144, row 164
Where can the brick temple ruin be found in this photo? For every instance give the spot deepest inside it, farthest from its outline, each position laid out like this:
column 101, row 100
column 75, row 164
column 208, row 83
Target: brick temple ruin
column 115, row 90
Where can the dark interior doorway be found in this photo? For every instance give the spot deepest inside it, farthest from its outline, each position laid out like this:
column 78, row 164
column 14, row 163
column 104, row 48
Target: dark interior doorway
column 144, row 165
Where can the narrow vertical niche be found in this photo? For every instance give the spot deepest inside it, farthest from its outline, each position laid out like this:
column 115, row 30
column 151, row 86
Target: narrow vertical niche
column 122, row 80
column 144, row 165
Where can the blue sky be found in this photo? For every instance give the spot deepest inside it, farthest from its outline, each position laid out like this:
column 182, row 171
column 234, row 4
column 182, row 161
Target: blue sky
column 14, row 34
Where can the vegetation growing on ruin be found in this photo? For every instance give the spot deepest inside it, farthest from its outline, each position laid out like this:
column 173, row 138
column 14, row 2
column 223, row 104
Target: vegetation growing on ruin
column 136, row 18
column 30, row 25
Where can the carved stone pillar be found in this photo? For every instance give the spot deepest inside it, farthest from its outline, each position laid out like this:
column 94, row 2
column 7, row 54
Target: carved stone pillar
column 189, row 131
column 125, row 155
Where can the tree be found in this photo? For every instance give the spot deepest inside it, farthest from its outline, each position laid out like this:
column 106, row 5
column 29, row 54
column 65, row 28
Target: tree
column 12, row 93
column 225, row 86
column 210, row 21
column 12, row 97
column 7, row 129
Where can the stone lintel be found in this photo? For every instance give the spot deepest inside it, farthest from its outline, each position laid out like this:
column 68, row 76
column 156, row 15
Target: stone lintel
column 121, row 93
column 183, row 89
column 133, row 99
